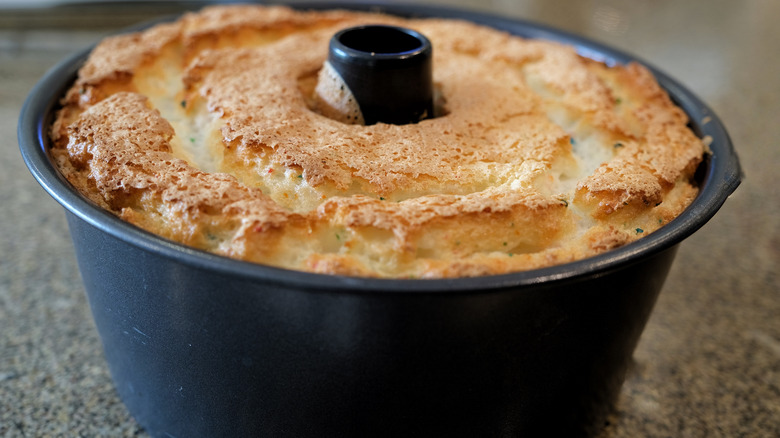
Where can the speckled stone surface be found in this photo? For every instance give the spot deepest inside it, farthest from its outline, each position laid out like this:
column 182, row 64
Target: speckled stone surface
column 708, row 363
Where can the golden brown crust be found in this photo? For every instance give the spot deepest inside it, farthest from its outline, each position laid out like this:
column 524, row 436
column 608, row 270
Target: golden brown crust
column 203, row 131
column 125, row 146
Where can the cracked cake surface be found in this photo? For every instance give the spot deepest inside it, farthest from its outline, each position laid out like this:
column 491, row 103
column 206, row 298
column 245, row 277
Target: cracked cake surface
column 206, row 131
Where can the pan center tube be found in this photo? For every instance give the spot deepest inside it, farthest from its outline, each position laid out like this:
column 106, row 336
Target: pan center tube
column 377, row 74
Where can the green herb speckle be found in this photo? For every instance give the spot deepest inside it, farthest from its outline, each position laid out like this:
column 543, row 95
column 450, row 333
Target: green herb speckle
column 183, row 103
column 618, row 145
column 639, row 231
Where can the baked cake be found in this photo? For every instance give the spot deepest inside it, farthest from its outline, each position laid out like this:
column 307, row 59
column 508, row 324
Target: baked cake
column 207, row 131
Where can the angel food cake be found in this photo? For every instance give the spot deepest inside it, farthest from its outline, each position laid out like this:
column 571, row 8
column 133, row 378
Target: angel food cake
column 207, row 131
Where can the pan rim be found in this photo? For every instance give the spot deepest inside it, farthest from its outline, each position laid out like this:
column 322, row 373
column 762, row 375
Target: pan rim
column 722, row 175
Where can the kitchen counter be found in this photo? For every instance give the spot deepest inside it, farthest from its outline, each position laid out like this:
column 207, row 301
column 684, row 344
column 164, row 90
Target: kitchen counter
column 708, row 363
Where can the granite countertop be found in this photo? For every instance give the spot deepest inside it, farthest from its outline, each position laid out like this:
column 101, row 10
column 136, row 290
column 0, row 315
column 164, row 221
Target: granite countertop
column 708, row 363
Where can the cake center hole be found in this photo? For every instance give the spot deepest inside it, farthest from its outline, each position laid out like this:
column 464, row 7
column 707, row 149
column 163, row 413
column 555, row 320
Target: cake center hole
column 380, row 40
